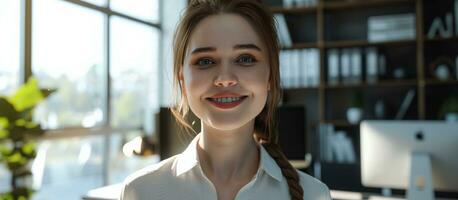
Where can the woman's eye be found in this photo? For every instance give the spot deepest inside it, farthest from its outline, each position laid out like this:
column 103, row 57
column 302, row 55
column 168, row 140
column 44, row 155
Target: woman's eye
column 246, row 60
column 204, row 62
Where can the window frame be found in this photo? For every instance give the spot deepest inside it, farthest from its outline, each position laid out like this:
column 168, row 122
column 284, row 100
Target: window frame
column 26, row 71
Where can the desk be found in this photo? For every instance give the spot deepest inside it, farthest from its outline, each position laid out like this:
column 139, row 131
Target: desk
column 112, row 192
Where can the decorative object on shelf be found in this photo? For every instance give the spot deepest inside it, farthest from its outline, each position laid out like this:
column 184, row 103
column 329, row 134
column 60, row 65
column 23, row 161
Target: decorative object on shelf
column 17, row 136
column 442, row 68
column 449, row 109
column 441, row 29
column 379, row 109
column 391, row 27
column 405, row 104
column 355, row 111
column 399, row 73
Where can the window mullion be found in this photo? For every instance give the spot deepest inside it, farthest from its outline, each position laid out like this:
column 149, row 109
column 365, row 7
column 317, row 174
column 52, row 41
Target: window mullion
column 26, row 41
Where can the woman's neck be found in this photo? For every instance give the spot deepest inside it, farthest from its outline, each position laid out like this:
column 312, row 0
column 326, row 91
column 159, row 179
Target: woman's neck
column 228, row 156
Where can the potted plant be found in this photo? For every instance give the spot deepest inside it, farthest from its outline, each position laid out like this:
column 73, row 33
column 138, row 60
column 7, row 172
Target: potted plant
column 449, row 109
column 17, row 136
column 355, row 110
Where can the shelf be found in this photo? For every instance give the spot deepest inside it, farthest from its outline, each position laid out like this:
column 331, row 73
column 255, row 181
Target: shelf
column 301, row 88
column 294, row 10
column 384, row 83
column 340, row 123
column 302, row 46
column 441, row 82
column 441, row 39
column 350, row 4
column 358, row 43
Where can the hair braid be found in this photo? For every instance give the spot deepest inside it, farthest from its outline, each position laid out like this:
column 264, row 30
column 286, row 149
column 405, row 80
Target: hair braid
column 288, row 171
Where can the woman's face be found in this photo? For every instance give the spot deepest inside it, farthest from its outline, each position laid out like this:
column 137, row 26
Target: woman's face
column 226, row 72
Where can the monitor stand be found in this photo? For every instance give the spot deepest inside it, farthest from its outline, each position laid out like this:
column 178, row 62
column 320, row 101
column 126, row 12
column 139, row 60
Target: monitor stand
column 420, row 182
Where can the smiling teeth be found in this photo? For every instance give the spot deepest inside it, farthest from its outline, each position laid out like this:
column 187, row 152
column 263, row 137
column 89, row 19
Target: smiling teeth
column 226, row 99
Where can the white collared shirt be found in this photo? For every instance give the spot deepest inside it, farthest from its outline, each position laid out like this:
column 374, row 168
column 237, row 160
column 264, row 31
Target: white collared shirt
column 180, row 177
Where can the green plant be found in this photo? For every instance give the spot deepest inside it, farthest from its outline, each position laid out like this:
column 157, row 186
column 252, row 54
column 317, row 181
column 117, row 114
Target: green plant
column 17, row 136
column 450, row 105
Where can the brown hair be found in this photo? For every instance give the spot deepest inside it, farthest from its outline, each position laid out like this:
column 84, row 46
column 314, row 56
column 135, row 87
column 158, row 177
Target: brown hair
column 263, row 22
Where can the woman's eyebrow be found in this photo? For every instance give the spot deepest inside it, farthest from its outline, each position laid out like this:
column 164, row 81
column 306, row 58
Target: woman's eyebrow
column 202, row 49
column 238, row 46
column 247, row 46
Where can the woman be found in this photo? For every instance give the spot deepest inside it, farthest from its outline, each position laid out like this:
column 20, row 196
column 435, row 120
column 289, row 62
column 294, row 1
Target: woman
column 227, row 70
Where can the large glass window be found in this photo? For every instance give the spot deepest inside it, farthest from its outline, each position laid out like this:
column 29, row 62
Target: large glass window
column 133, row 72
column 68, row 168
column 147, row 10
column 9, row 45
column 68, row 55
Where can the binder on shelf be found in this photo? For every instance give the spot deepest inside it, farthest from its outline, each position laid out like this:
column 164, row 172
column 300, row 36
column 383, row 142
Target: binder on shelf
column 356, row 65
column 285, row 69
column 315, row 67
column 333, row 66
column 345, row 66
column 381, row 65
column 282, row 30
column 307, row 67
column 304, row 68
column 449, row 23
column 326, row 132
column 405, row 104
column 371, row 65
column 456, row 17
column 456, row 66
column 391, row 27
column 295, row 68
column 288, row 3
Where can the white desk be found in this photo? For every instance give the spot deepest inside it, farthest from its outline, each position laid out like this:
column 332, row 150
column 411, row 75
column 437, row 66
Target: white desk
column 112, row 192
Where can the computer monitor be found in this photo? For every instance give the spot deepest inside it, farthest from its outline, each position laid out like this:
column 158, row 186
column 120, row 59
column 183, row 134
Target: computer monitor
column 292, row 131
column 420, row 156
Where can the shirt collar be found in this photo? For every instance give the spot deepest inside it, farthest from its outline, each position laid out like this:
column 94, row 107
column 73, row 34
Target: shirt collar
column 189, row 159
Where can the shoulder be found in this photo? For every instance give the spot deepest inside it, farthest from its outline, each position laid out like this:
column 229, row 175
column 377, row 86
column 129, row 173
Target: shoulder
column 148, row 180
column 313, row 188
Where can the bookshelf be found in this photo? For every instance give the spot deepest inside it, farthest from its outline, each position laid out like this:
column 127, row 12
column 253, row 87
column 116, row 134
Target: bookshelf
column 343, row 24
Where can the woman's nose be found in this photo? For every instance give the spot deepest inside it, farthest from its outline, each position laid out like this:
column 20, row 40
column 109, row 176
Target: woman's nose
column 226, row 76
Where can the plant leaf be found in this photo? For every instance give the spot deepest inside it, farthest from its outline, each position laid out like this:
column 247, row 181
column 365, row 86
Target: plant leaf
column 27, row 96
column 7, row 110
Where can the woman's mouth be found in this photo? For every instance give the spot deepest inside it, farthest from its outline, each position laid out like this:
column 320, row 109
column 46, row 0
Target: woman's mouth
column 226, row 102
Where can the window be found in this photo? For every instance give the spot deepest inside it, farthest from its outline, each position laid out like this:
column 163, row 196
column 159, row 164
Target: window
column 62, row 164
column 10, row 45
column 68, row 55
column 9, row 61
column 134, row 72
column 147, row 10
column 74, row 52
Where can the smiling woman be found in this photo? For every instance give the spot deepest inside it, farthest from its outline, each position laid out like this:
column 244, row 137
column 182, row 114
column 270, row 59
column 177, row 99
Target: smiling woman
column 226, row 71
